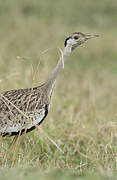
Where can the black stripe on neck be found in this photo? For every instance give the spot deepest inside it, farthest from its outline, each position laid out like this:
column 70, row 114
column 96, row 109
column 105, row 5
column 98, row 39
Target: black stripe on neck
column 65, row 43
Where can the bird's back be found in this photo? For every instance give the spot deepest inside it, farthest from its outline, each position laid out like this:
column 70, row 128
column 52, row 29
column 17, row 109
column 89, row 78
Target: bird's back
column 22, row 110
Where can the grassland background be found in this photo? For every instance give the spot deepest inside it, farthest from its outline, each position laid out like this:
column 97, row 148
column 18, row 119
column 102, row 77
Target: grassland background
column 83, row 115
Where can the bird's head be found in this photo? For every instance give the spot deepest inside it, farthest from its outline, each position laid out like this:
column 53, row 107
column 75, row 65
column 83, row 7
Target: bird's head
column 78, row 38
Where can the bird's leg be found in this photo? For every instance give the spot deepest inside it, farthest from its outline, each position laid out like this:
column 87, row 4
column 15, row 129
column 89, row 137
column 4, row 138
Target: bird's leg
column 14, row 140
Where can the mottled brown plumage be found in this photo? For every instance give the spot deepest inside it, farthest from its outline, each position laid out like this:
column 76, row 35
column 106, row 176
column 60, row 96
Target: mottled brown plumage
column 22, row 110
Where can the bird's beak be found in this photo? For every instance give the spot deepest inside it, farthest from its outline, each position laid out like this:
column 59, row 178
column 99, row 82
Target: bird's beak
column 91, row 36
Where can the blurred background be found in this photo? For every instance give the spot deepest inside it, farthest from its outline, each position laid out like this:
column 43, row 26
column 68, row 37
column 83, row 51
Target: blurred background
column 83, row 114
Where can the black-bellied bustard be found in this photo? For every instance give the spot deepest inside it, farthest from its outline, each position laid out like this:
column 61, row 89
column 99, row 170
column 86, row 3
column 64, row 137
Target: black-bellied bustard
column 23, row 109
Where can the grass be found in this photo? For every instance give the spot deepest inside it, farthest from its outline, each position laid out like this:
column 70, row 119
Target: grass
column 82, row 119
column 31, row 173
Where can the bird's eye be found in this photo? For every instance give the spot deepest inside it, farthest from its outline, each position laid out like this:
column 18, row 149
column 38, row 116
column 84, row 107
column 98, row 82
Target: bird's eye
column 76, row 37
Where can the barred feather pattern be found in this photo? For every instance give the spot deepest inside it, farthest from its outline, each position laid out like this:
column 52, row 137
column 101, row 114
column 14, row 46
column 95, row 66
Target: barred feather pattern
column 22, row 109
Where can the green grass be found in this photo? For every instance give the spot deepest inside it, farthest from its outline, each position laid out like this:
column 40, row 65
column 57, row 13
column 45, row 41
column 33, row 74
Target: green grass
column 33, row 173
column 83, row 115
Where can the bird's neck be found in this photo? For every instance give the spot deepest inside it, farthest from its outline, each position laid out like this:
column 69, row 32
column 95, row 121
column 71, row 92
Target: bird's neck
column 53, row 76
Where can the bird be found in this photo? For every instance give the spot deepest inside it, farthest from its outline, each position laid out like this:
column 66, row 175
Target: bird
column 22, row 110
